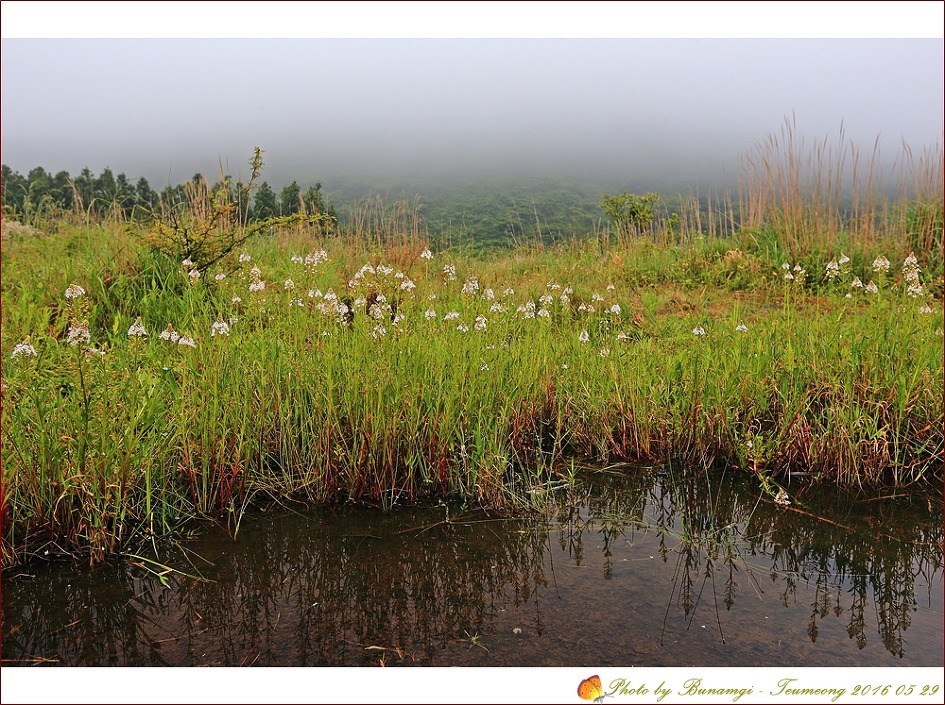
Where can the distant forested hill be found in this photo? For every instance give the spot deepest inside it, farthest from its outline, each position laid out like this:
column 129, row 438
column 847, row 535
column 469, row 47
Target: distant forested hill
column 500, row 211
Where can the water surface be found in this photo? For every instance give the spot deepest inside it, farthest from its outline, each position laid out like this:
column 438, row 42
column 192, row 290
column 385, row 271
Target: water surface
column 633, row 567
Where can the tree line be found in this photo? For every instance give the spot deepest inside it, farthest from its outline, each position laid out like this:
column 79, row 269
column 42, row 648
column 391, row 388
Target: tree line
column 108, row 194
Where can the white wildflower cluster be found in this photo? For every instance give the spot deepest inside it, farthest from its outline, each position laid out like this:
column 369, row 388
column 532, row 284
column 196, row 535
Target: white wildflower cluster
column 604, row 352
column 585, row 308
column 219, row 276
column 288, row 285
column 856, row 283
column 192, row 270
column 382, row 270
column 698, row 330
column 796, row 273
column 429, row 314
column 137, row 330
column 256, row 282
column 449, row 271
column 584, row 337
column 356, row 280
column 380, row 309
column 527, row 309
column 462, row 328
column 78, row 334
column 169, row 334
column 497, row 307
column 910, row 272
column 407, row 285
column 481, row 322
column 330, row 305
column 173, row 337
column 483, row 366
column 471, row 286
column 615, row 309
column 426, row 254
column 219, row 328
column 507, row 292
column 915, row 289
column 451, row 316
column 871, row 288
column 25, row 349
column 244, row 257
column 74, row 291
column 741, row 328
column 314, row 259
column 881, row 265
column 838, row 268
column 926, row 309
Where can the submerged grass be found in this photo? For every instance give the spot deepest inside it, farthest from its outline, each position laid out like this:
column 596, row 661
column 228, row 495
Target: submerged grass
column 333, row 369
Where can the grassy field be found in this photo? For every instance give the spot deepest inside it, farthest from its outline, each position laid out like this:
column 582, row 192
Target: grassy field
column 137, row 394
column 157, row 371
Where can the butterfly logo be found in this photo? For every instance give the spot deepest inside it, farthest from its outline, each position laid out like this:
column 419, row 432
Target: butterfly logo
column 591, row 689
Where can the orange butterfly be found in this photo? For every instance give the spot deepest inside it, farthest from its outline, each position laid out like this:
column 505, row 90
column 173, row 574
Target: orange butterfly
column 591, row 689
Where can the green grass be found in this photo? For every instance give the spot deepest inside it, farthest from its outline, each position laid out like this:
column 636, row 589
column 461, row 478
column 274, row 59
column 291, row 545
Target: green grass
column 101, row 451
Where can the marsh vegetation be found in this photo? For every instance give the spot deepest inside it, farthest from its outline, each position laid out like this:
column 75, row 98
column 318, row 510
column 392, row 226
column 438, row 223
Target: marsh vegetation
column 183, row 360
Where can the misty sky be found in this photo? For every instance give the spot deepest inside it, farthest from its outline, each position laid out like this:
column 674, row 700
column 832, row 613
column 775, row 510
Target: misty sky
column 389, row 108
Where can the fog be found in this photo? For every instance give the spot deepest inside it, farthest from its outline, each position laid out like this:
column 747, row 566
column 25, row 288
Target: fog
column 670, row 110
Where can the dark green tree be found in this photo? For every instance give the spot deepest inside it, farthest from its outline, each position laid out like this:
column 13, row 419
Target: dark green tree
column 61, row 190
column 124, row 194
column 172, row 197
column 290, row 200
column 37, row 194
column 106, row 190
column 264, row 203
column 85, row 188
column 144, row 195
column 315, row 201
column 15, row 188
column 631, row 214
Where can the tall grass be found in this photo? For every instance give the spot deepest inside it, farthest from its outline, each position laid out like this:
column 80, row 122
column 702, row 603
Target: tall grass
column 357, row 365
column 814, row 198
